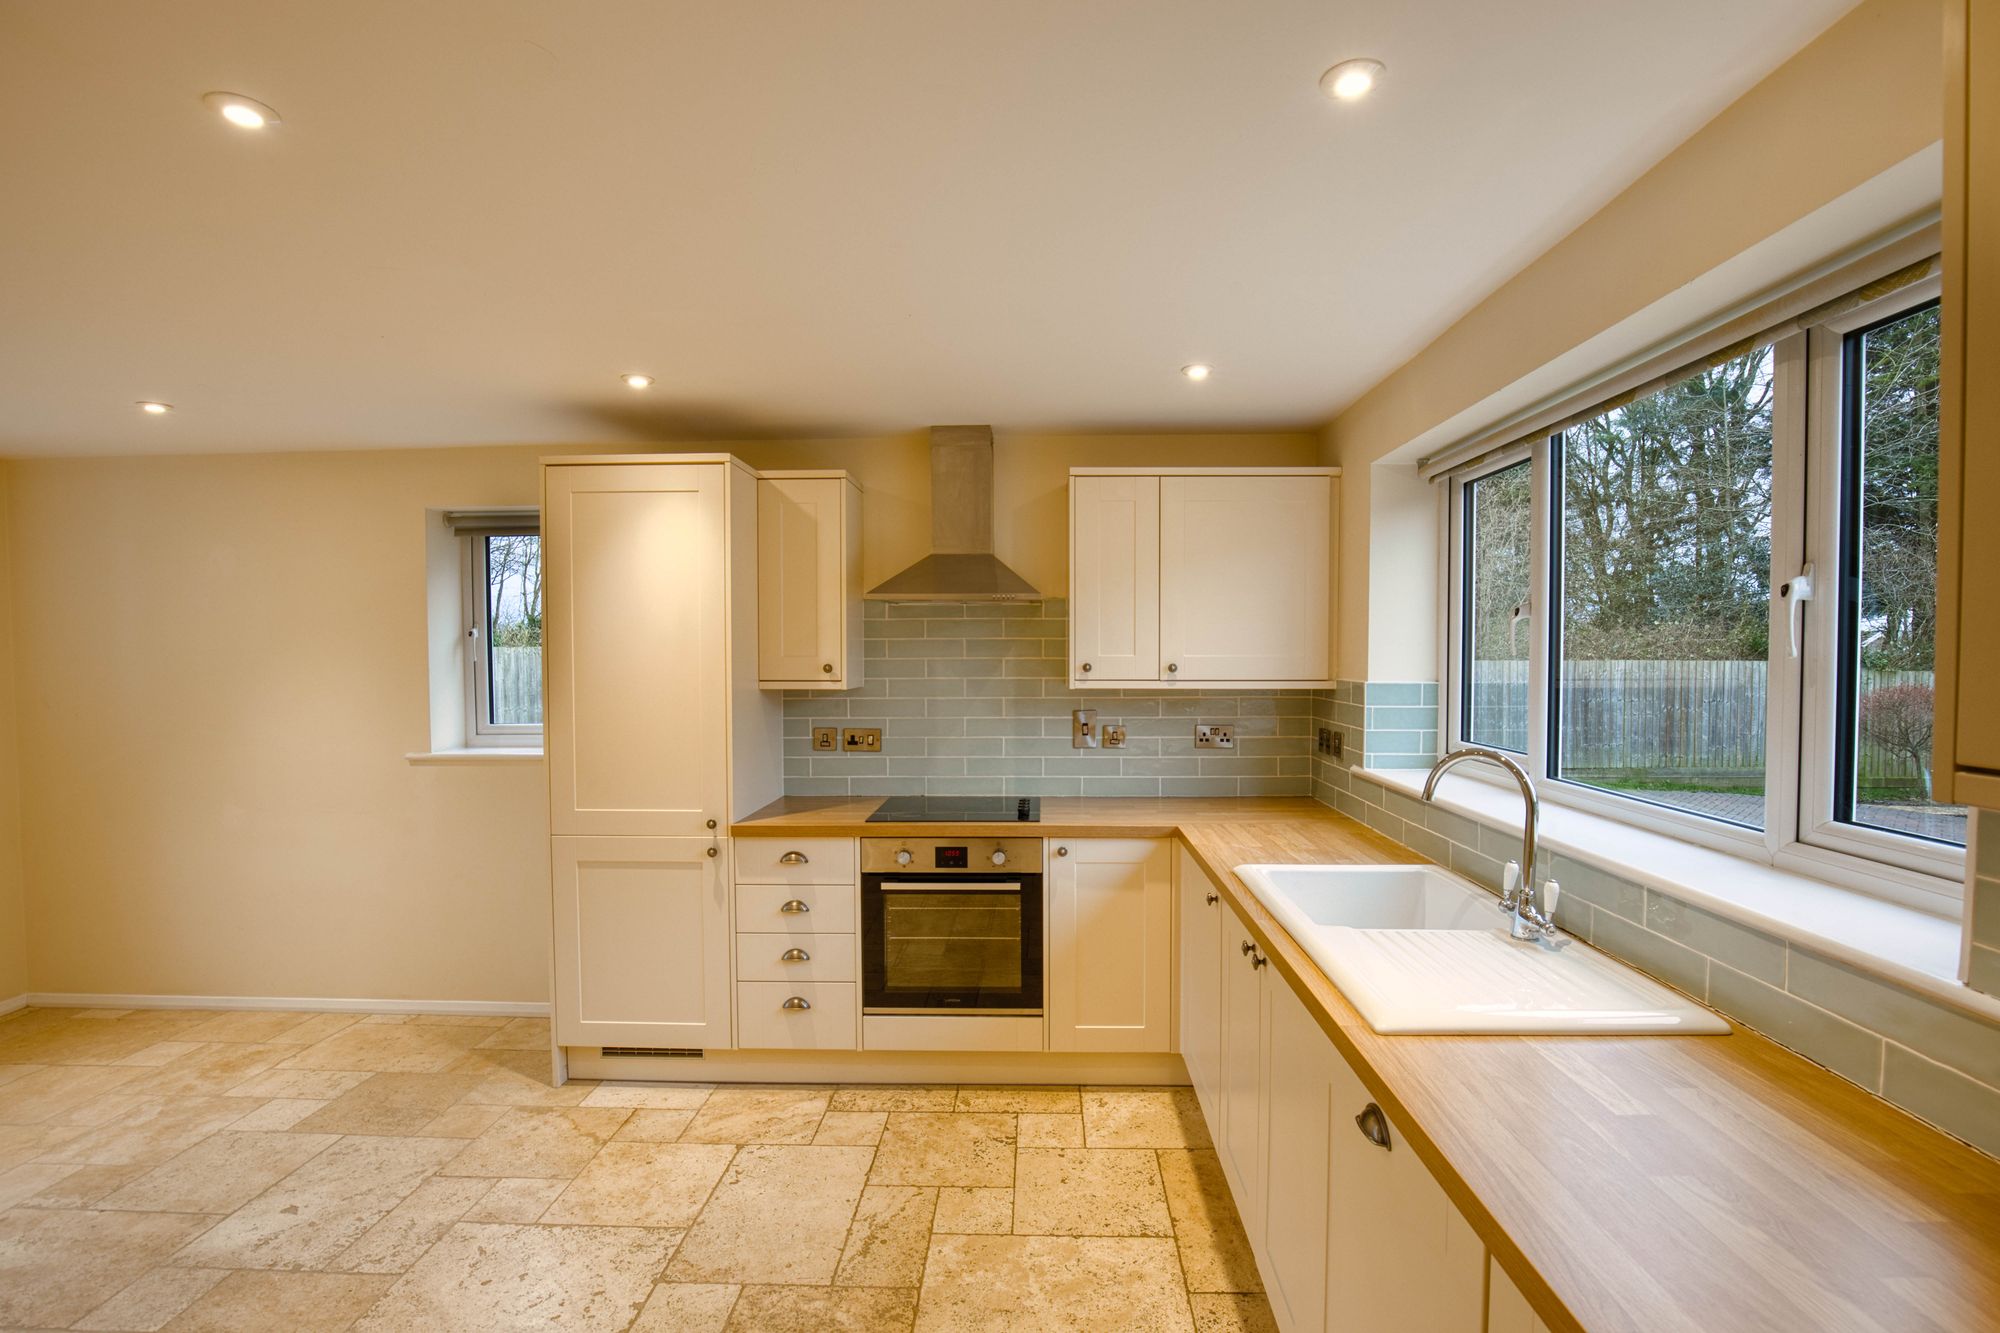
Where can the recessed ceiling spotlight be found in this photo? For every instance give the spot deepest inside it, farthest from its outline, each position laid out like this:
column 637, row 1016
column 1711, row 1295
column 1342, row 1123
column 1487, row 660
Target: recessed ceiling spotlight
column 246, row 113
column 1352, row 80
column 1197, row 372
column 156, row 409
column 638, row 381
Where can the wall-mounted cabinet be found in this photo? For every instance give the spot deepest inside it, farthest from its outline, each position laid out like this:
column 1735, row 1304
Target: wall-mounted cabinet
column 808, row 581
column 1111, row 944
column 1205, row 578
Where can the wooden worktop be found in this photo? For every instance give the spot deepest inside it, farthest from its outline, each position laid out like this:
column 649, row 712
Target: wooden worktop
column 1646, row 1183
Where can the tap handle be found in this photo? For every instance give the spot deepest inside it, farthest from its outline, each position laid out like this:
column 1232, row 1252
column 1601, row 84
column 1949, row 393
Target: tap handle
column 1510, row 883
column 1551, row 891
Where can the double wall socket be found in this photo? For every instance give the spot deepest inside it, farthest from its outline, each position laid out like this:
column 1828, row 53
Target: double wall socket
column 862, row 740
column 1209, row 736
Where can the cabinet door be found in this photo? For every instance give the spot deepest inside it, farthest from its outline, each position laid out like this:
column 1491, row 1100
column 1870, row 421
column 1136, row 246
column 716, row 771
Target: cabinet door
column 1507, row 1310
column 1239, row 1145
column 642, row 943
column 1244, row 577
column 1110, row 934
column 1298, row 1096
column 632, row 566
column 1114, row 579
column 803, row 576
column 1200, row 981
column 1400, row 1258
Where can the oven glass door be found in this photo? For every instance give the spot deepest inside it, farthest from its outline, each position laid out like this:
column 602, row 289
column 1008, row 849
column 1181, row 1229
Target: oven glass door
column 957, row 945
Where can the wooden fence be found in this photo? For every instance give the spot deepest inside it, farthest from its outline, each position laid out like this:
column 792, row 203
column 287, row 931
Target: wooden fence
column 517, row 684
column 1667, row 719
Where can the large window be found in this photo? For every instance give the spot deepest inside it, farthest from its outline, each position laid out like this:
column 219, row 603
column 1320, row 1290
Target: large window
column 504, row 637
column 1709, row 606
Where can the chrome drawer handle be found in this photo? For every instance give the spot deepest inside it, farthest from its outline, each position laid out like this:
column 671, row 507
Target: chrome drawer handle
column 795, row 956
column 793, row 907
column 792, row 859
column 796, row 1002
column 1374, row 1127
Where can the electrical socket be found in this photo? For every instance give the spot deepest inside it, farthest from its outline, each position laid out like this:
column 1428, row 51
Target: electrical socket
column 1214, row 737
column 1331, row 742
column 863, row 740
column 1113, row 735
column 826, row 739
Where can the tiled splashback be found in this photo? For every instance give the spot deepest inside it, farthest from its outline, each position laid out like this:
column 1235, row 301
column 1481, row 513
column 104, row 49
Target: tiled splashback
column 973, row 698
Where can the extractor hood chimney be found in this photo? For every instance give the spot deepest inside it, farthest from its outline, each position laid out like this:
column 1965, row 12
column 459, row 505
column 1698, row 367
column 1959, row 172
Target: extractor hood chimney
column 961, row 566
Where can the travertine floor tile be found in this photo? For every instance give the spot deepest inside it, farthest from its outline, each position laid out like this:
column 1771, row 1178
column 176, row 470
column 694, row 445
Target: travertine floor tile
column 152, row 1300
column 1053, row 1284
column 758, row 1115
column 307, row 1219
column 57, row 1266
column 888, row 1238
column 49, row 1091
column 394, row 1104
column 687, row 1307
column 1218, row 1313
column 1142, row 1118
column 413, row 1226
column 22, row 1144
column 320, row 1085
column 211, row 1069
column 263, row 1025
column 538, row 1141
column 974, row 1212
column 822, row 1309
column 519, row 1078
column 482, row 1277
column 465, row 1121
column 779, row 1214
column 897, row 1098
column 643, row 1185
column 31, row 1178
column 220, row 1174
column 930, row 1148
column 388, row 1048
column 523, row 1200
column 1051, row 1131
column 654, row 1096
column 84, row 1186
column 852, row 1129
column 1046, row 1100
column 160, row 1053
column 296, row 1302
column 649, row 1126
column 519, row 1034
column 280, row 1113
column 1089, row 1192
column 1214, row 1251
column 149, row 1131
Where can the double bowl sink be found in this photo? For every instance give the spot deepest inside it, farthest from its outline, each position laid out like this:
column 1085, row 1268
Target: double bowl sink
column 1416, row 949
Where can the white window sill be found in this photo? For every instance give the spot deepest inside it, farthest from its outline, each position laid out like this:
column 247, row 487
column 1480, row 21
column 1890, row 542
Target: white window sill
column 1900, row 944
column 487, row 754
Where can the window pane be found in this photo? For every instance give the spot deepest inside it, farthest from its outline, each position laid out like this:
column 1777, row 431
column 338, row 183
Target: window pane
column 1889, row 622
column 1497, row 631
column 1664, row 594
column 514, row 631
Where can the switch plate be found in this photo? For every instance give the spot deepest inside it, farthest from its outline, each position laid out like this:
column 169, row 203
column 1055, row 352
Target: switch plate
column 1330, row 742
column 1113, row 735
column 826, row 739
column 1083, row 729
column 862, row 740
column 1214, row 737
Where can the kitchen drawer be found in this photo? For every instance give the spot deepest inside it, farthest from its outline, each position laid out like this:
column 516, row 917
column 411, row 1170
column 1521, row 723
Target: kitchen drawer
column 760, row 957
column 826, row 861
column 763, row 1022
column 830, row 909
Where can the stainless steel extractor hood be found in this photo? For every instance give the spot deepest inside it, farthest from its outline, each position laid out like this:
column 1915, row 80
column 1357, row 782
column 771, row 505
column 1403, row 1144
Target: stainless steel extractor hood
column 961, row 566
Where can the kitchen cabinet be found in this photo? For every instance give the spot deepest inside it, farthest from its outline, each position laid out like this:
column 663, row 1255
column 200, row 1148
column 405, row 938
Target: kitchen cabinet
column 1968, row 640
column 1507, row 1310
column 1200, row 915
column 1239, row 1137
column 1110, row 944
column 1207, row 576
column 642, row 941
column 798, row 964
column 1298, row 1130
column 809, row 581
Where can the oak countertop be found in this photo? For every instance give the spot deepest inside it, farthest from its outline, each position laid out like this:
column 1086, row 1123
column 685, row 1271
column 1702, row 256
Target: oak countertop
column 1644, row 1183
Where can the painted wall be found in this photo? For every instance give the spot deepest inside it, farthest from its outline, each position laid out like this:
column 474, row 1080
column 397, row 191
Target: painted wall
column 13, row 903
column 222, row 662
column 1862, row 98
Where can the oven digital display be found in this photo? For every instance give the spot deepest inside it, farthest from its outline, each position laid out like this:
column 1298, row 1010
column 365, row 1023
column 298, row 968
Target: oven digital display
column 952, row 858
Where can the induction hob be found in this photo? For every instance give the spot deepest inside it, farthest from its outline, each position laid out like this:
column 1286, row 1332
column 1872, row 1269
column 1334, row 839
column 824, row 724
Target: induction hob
column 959, row 810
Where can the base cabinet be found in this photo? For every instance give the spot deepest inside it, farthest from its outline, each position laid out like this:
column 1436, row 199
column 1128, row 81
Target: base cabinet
column 1201, row 913
column 1239, row 1138
column 642, row 942
column 1299, row 1127
column 1110, row 944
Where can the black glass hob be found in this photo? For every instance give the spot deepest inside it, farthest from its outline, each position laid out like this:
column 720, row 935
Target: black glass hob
column 959, row 810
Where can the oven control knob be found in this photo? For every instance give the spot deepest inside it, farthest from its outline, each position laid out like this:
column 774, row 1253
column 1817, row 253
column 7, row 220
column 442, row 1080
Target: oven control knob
column 903, row 857
column 999, row 857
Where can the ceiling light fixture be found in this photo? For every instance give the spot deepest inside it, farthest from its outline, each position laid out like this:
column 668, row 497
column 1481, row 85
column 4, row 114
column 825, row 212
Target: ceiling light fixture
column 1197, row 372
column 1351, row 80
column 156, row 409
column 638, row 381
column 246, row 113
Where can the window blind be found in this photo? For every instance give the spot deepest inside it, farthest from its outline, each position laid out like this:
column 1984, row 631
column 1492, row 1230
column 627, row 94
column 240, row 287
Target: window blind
column 516, row 521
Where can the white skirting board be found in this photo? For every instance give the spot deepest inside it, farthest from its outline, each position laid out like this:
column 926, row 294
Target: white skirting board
column 997, row 1067
column 304, row 1003
column 10, row 1005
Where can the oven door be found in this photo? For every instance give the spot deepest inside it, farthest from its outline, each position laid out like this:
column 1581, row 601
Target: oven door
column 959, row 944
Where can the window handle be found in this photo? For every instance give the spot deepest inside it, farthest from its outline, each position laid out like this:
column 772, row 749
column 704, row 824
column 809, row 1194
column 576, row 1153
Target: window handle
column 1523, row 610
column 1796, row 592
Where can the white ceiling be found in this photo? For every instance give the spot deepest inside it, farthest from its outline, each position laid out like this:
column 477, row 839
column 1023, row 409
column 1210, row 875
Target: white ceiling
column 806, row 217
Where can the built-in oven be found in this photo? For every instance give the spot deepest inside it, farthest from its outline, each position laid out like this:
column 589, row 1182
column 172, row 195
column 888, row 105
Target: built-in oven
column 951, row 926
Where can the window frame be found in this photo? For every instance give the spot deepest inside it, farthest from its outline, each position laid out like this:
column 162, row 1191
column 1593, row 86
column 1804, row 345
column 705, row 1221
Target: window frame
column 480, row 731
column 1799, row 738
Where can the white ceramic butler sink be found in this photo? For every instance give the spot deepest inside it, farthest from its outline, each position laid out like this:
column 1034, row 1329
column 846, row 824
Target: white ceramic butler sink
column 1418, row 949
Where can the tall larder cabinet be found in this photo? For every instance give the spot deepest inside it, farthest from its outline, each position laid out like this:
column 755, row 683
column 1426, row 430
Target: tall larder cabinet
column 657, row 736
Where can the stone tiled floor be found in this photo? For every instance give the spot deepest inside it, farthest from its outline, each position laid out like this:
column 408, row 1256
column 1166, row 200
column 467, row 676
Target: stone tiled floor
column 174, row 1169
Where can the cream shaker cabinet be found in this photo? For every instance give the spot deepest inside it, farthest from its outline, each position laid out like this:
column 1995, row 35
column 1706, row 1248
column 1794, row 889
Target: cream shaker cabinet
column 1297, row 1137
column 1110, row 944
column 1201, row 912
column 1208, row 577
column 808, row 581
column 1239, row 1136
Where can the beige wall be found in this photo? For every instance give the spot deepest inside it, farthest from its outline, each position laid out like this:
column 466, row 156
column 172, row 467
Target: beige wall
column 1862, row 98
column 13, row 903
column 223, row 661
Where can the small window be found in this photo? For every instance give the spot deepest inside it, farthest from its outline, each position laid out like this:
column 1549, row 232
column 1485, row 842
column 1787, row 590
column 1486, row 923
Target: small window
column 504, row 637
column 1498, row 630
column 1888, row 587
